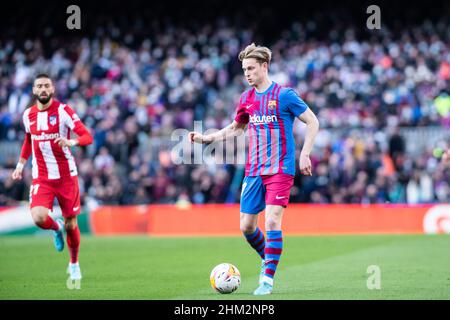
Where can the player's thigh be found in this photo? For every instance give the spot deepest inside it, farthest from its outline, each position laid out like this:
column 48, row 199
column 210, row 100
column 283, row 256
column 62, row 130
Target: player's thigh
column 68, row 196
column 252, row 195
column 41, row 199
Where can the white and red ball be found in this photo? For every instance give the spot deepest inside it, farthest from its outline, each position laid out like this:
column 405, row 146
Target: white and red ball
column 225, row 278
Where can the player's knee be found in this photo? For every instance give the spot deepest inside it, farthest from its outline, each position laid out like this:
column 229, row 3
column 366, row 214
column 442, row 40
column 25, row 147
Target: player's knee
column 39, row 216
column 38, row 219
column 272, row 224
column 247, row 228
column 70, row 224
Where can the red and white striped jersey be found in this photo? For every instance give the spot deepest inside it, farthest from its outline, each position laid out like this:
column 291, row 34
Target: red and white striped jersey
column 50, row 161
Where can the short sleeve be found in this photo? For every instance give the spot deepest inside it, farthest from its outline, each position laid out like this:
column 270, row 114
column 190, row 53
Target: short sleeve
column 294, row 103
column 26, row 121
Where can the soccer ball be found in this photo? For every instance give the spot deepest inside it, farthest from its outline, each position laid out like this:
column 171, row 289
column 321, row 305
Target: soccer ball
column 225, row 278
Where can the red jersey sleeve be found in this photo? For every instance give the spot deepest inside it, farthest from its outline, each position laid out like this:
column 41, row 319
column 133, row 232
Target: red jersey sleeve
column 241, row 112
column 26, row 147
column 84, row 136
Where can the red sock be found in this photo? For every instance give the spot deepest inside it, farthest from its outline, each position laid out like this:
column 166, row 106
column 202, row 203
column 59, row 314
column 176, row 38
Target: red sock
column 73, row 243
column 49, row 223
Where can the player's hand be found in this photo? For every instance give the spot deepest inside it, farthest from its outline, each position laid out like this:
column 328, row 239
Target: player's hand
column 197, row 137
column 63, row 142
column 17, row 174
column 305, row 165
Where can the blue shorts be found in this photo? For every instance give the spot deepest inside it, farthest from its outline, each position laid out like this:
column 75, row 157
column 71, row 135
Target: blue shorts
column 259, row 191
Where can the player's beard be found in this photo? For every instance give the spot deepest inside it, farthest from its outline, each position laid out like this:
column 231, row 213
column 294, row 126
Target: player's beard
column 44, row 100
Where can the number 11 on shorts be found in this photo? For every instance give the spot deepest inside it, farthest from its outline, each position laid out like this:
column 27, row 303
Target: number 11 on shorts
column 33, row 190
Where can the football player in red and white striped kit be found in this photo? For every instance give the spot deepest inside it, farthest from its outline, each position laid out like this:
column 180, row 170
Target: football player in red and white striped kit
column 47, row 125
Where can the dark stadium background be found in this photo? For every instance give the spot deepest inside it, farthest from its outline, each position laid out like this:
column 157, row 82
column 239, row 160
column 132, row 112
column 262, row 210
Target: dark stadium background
column 166, row 24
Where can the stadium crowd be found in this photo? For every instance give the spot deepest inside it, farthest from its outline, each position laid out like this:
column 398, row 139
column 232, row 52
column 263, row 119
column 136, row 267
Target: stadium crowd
column 133, row 94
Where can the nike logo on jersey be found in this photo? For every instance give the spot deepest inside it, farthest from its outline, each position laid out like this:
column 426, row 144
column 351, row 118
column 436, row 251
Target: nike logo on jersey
column 249, row 106
column 76, row 208
column 31, row 123
column 278, row 198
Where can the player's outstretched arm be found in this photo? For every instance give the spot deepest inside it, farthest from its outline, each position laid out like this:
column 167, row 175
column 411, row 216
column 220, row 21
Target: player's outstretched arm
column 232, row 130
column 312, row 127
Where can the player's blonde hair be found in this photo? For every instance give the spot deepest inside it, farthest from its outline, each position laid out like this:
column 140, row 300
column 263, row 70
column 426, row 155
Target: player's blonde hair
column 261, row 54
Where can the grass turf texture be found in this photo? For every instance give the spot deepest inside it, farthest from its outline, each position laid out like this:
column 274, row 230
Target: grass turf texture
column 322, row 267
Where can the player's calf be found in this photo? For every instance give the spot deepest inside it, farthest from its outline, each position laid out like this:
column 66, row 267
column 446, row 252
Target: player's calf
column 273, row 251
column 257, row 241
column 73, row 238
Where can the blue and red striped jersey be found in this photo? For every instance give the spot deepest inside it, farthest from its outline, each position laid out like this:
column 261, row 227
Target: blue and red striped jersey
column 270, row 116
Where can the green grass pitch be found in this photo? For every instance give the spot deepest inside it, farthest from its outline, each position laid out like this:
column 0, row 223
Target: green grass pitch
column 316, row 267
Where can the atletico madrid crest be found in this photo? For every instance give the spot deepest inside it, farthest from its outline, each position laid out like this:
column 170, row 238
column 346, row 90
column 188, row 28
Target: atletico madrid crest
column 52, row 120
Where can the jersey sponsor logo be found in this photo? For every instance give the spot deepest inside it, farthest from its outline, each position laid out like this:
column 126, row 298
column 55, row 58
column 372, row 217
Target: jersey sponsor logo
column 263, row 119
column 52, row 120
column 45, row 136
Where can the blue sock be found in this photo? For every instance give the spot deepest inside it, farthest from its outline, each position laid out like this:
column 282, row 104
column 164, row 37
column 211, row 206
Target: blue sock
column 273, row 250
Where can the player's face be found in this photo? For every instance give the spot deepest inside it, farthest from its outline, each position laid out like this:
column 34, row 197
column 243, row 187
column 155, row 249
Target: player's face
column 43, row 90
column 254, row 71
